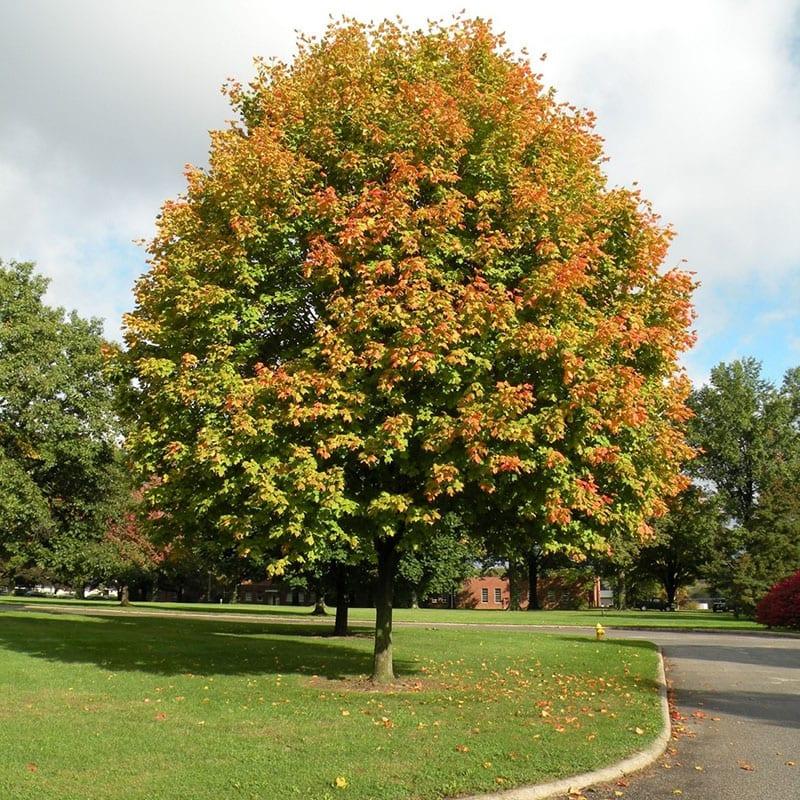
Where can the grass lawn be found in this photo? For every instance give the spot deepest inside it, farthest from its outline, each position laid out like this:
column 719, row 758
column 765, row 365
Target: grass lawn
column 186, row 708
column 622, row 619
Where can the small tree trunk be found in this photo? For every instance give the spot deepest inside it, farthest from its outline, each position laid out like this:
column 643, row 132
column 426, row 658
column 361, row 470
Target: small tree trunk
column 672, row 590
column 319, row 605
column 414, row 599
column 125, row 596
column 622, row 590
column 533, row 582
column 342, row 602
column 514, row 588
column 382, row 665
column 80, row 592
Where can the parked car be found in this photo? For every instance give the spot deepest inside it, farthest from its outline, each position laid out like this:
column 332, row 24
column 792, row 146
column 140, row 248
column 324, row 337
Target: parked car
column 656, row 604
column 719, row 604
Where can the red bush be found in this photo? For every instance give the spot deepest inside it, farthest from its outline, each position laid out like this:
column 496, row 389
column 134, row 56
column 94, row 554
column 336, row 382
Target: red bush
column 780, row 607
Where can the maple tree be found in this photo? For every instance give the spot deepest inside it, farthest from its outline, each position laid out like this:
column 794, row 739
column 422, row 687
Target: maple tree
column 403, row 285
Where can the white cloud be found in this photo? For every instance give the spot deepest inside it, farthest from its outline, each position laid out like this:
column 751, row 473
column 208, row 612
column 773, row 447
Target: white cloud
column 102, row 102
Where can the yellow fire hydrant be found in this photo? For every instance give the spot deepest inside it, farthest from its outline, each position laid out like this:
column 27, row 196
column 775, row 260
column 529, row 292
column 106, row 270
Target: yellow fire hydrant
column 599, row 631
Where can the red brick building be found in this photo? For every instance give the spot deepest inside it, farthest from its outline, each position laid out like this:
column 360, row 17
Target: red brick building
column 491, row 592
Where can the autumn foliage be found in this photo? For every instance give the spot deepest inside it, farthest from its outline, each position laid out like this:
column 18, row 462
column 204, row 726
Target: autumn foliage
column 403, row 284
column 780, row 607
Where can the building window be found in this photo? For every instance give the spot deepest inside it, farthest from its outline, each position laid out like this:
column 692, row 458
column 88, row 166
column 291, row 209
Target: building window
column 498, row 595
column 248, row 597
column 484, row 595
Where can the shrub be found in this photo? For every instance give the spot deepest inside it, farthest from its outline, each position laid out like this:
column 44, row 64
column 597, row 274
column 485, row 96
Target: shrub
column 780, row 607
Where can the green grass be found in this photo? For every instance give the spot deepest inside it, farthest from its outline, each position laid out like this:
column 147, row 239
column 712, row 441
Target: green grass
column 152, row 708
column 706, row 620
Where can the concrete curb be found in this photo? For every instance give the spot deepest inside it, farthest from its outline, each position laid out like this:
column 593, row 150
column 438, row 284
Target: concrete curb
column 633, row 763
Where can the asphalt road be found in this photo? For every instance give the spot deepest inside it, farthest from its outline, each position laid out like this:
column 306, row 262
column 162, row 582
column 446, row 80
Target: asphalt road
column 738, row 732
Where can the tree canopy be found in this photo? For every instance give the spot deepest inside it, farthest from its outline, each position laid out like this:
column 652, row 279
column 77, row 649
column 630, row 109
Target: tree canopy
column 748, row 436
column 58, row 430
column 403, row 285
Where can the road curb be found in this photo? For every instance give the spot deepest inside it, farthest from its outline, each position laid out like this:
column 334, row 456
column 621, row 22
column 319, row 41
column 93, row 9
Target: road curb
column 634, row 763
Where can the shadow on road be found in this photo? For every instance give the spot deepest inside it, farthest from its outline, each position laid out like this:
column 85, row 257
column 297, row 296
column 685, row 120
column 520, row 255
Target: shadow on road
column 737, row 654
column 774, row 708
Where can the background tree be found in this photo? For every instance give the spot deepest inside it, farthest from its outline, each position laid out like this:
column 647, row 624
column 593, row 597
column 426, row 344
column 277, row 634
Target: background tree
column 768, row 551
column 617, row 564
column 747, row 431
column 60, row 469
column 401, row 284
column 684, row 541
column 744, row 430
column 440, row 567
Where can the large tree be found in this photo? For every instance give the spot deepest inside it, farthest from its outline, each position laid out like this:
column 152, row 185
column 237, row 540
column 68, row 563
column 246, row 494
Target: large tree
column 402, row 285
column 59, row 455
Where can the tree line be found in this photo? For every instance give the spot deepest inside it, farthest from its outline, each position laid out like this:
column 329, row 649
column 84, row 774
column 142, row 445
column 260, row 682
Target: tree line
column 71, row 512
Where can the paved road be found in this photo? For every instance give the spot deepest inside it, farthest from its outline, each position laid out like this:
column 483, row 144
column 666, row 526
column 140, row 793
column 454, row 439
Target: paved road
column 740, row 700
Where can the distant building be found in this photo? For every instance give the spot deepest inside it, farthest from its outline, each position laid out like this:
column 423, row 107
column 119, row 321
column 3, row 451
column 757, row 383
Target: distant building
column 486, row 592
column 555, row 591
column 272, row 593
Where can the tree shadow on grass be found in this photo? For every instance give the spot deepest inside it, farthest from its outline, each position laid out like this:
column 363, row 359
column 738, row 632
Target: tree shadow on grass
column 180, row 646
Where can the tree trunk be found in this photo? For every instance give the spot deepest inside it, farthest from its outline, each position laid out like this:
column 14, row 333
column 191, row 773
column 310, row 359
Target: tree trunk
column 319, row 605
column 125, row 596
column 342, row 602
column 80, row 592
column 671, row 586
column 622, row 591
column 533, row 581
column 382, row 666
column 414, row 599
column 514, row 588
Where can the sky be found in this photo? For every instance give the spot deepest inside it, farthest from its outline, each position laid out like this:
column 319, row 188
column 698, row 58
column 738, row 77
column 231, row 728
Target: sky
column 103, row 102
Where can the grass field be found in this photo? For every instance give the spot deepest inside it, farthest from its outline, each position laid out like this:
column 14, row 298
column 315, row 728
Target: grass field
column 623, row 619
column 148, row 708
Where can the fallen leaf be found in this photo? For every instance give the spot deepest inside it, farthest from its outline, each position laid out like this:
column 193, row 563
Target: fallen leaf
column 638, row 731
column 462, row 748
column 160, row 716
column 31, row 767
column 790, row 763
column 340, row 782
column 345, row 712
column 746, row 766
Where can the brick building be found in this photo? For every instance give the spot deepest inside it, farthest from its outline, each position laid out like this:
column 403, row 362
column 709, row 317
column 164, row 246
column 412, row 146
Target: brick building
column 492, row 592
